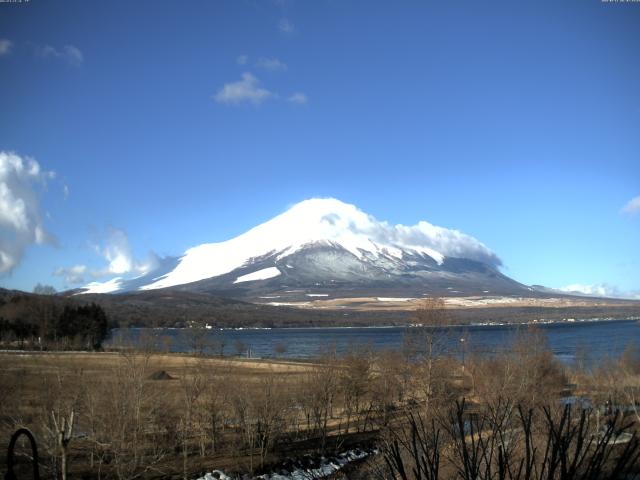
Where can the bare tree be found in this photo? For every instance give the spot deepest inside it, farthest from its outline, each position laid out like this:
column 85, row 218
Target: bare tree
column 197, row 339
column 63, row 397
column 270, row 407
column 240, row 347
column 472, row 446
column 192, row 384
column 280, row 349
column 389, row 383
column 130, row 417
column 428, row 342
column 211, row 407
column 354, row 376
column 615, row 383
column 319, row 388
column 64, row 430
column 525, row 372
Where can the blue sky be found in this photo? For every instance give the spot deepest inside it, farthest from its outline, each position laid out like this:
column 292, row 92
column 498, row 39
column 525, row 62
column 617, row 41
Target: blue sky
column 161, row 125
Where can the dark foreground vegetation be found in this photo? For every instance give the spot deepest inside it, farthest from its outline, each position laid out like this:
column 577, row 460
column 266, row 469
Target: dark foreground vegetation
column 507, row 441
column 45, row 323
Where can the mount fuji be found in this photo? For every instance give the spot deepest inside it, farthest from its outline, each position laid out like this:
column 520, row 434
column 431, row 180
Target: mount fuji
column 327, row 249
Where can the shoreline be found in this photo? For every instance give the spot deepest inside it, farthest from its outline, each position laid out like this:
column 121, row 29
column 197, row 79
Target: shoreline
column 568, row 321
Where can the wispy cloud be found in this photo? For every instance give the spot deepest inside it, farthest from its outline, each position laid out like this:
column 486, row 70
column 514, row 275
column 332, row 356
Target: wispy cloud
column 114, row 248
column 285, row 26
column 298, row 98
column 20, row 218
column 600, row 290
column 72, row 275
column 68, row 53
column 632, row 207
column 245, row 90
column 271, row 64
column 242, row 59
column 5, row 47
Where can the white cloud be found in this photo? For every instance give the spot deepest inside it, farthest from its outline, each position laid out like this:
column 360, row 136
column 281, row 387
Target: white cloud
column 115, row 248
column 271, row 64
column 600, row 290
column 632, row 207
column 448, row 242
column 423, row 235
column 68, row 53
column 298, row 98
column 242, row 59
column 5, row 47
column 72, row 275
column 20, row 219
column 285, row 26
column 247, row 89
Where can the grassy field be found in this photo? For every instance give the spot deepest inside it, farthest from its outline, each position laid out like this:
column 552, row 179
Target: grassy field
column 201, row 412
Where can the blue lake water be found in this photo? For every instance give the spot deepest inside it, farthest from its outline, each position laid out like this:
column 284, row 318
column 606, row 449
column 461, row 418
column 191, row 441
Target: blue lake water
column 599, row 339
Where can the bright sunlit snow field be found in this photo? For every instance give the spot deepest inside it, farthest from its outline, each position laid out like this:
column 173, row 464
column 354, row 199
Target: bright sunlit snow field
column 315, row 221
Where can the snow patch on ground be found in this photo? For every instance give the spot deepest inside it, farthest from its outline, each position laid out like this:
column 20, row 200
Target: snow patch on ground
column 394, row 299
column 475, row 301
column 317, row 294
column 322, row 469
column 288, row 304
column 263, row 274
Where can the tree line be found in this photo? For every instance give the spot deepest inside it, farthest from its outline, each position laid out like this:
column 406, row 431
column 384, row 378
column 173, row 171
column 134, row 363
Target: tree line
column 49, row 322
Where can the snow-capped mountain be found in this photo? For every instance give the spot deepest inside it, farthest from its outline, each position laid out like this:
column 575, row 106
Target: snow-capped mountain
column 325, row 247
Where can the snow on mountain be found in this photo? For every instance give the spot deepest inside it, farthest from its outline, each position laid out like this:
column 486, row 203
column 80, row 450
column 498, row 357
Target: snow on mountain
column 263, row 274
column 317, row 222
column 111, row 286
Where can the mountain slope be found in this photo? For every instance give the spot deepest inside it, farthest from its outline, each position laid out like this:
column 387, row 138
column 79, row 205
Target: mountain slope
column 325, row 247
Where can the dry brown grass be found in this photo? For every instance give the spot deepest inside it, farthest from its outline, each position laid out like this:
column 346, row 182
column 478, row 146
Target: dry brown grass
column 301, row 406
column 30, row 391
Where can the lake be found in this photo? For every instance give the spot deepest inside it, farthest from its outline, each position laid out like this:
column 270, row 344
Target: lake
column 600, row 339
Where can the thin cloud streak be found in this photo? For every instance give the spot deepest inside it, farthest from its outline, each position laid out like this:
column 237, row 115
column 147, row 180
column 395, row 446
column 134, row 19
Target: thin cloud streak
column 601, row 290
column 68, row 53
column 285, row 26
column 271, row 64
column 298, row 98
